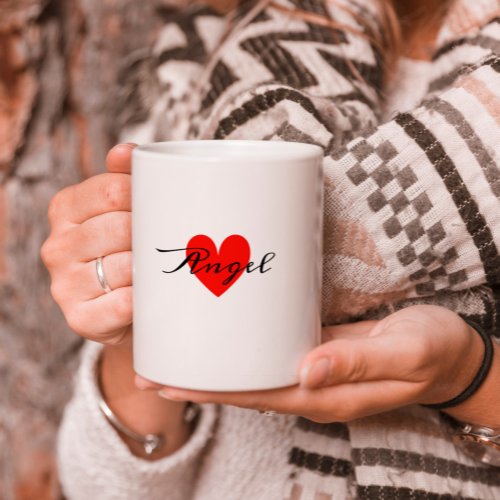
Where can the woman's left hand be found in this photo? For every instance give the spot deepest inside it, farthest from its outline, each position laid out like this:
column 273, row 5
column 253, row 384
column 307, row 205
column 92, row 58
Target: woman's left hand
column 421, row 354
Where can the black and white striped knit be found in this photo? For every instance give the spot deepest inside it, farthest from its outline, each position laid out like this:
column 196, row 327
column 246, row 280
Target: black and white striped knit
column 412, row 215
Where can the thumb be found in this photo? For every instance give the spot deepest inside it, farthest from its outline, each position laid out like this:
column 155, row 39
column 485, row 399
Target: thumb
column 358, row 359
column 119, row 158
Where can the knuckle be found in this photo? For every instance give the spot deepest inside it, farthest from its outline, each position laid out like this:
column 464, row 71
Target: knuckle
column 351, row 365
column 58, row 292
column 53, row 252
column 58, row 204
column 46, row 252
column 55, row 207
column 122, row 305
column 76, row 321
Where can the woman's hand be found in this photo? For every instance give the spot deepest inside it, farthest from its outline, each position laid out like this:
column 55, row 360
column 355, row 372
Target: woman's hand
column 90, row 220
column 422, row 354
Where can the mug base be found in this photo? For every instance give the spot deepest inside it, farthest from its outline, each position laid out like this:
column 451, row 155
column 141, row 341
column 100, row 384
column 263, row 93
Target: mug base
column 247, row 387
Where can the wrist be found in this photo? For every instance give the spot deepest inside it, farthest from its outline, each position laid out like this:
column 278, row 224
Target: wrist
column 483, row 408
column 143, row 412
column 463, row 369
column 470, row 374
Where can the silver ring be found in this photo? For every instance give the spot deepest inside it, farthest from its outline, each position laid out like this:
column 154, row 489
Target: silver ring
column 100, row 275
column 268, row 413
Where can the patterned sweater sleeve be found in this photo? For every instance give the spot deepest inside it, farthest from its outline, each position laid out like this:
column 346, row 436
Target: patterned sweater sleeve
column 412, row 206
column 425, row 191
column 95, row 463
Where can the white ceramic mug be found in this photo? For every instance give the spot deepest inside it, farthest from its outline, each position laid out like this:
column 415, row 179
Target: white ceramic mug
column 227, row 246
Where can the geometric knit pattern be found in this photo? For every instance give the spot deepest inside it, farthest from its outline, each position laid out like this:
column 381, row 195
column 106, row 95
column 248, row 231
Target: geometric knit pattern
column 411, row 215
column 410, row 205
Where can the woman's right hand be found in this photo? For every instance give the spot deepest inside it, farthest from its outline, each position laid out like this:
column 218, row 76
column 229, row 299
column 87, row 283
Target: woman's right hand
column 89, row 220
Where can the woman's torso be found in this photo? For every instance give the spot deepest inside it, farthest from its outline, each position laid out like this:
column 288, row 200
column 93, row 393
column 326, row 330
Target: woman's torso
column 402, row 454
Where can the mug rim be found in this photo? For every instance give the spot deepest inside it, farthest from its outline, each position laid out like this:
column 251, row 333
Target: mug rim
column 251, row 149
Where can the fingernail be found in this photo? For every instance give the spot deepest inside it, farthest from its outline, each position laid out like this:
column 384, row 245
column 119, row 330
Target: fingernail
column 315, row 374
column 170, row 395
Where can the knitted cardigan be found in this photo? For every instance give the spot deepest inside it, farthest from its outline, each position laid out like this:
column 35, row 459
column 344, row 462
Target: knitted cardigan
column 412, row 215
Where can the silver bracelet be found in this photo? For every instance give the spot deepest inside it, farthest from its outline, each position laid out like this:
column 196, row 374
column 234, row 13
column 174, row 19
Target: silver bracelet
column 150, row 442
column 482, row 443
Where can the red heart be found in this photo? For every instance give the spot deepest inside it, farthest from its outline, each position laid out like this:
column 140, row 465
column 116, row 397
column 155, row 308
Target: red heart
column 234, row 255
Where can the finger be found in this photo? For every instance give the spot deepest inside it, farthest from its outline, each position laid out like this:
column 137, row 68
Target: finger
column 119, row 158
column 99, row 319
column 81, row 281
column 362, row 328
column 341, row 403
column 349, row 331
column 347, row 402
column 280, row 400
column 144, row 384
column 372, row 358
column 117, row 269
column 94, row 196
column 99, row 236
